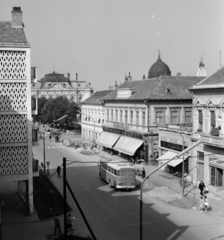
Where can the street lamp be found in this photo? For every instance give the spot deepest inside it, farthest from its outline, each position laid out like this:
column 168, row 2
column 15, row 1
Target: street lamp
column 44, row 138
column 77, row 115
column 141, row 188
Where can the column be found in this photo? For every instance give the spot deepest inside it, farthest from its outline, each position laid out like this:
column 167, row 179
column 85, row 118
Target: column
column 206, row 169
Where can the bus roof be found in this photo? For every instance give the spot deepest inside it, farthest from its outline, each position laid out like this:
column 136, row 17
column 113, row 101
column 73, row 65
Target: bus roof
column 119, row 165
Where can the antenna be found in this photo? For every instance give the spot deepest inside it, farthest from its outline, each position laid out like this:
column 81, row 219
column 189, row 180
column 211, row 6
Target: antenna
column 159, row 53
column 202, row 55
column 53, row 68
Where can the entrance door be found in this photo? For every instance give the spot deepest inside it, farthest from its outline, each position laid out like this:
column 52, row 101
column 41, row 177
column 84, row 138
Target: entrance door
column 212, row 176
column 219, row 177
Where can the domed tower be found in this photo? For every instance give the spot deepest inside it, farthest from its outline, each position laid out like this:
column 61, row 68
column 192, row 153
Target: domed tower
column 158, row 68
column 201, row 70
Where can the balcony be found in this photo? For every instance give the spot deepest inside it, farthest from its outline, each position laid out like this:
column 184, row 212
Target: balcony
column 215, row 138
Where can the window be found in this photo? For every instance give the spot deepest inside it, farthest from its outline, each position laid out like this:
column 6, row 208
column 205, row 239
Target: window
column 126, row 116
column 131, row 116
column 160, row 116
column 116, row 116
column 33, row 102
column 200, row 121
column 212, row 119
column 34, row 134
column 107, row 114
column 188, row 116
column 174, row 117
column 143, row 118
column 137, row 117
column 121, row 116
column 111, row 115
column 200, row 155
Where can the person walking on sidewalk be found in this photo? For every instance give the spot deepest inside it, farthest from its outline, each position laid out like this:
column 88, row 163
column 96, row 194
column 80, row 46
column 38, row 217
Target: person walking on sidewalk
column 69, row 223
column 57, row 226
column 59, row 171
column 206, row 203
column 143, row 172
column 201, row 204
column 201, row 187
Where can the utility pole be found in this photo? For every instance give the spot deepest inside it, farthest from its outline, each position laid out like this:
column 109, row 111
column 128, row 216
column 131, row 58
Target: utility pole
column 64, row 198
column 44, row 151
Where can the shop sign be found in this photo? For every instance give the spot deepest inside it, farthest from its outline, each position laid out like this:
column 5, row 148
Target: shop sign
column 213, row 141
column 172, row 146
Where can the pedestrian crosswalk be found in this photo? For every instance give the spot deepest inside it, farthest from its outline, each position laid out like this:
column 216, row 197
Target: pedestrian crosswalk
column 55, row 147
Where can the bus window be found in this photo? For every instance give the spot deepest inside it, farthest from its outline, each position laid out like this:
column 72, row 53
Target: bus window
column 123, row 173
column 115, row 172
column 118, row 173
column 131, row 173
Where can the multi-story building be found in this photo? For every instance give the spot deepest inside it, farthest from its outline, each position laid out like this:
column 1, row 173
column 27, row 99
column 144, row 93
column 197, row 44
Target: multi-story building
column 55, row 84
column 93, row 117
column 208, row 125
column 136, row 108
column 15, row 106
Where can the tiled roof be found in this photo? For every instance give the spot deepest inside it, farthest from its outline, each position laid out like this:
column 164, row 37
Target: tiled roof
column 216, row 80
column 9, row 35
column 96, row 97
column 163, row 87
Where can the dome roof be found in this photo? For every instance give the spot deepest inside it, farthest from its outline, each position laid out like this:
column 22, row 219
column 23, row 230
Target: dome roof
column 54, row 77
column 158, row 68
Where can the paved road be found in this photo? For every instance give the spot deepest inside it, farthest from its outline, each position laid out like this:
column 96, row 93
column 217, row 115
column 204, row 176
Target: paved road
column 115, row 214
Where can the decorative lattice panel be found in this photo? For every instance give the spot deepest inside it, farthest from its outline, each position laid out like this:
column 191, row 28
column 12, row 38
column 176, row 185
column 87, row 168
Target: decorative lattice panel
column 13, row 128
column 13, row 160
column 12, row 65
column 13, row 96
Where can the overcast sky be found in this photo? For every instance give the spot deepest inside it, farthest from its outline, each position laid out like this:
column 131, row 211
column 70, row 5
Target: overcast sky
column 101, row 40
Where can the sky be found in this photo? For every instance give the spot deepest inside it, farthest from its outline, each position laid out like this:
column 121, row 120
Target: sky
column 102, row 40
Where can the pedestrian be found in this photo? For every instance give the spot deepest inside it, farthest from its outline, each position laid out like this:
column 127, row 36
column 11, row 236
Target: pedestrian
column 57, row 226
column 69, row 223
column 201, row 187
column 201, row 204
column 50, row 137
column 206, row 204
column 143, row 172
column 59, row 171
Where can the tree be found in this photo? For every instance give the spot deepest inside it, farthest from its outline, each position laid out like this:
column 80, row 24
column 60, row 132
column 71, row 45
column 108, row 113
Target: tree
column 57, row 107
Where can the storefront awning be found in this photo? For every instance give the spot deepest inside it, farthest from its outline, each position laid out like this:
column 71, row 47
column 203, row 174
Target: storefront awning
column 107, row 139
column 128, row 145
column 168, row 155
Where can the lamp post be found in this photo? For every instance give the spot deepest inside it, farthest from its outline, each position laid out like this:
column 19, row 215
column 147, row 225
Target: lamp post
column 141, row 188
column 94, row 137
column 44, row 139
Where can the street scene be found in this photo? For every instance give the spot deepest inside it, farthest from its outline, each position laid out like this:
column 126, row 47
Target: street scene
column 111, row 120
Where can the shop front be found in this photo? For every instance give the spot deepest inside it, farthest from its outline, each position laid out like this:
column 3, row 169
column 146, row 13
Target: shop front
column 216, row 167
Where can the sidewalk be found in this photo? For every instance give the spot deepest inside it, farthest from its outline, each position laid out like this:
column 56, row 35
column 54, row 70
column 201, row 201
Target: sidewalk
column 14, row 223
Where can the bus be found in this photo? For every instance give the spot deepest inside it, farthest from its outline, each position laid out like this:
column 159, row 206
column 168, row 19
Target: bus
column 119, row 175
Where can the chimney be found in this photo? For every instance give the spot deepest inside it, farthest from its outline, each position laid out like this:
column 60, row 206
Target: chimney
column 76, row 76
column 143, row 77
column 179, row 74
column 17, row 19
column 68, row 76
column 116, row 85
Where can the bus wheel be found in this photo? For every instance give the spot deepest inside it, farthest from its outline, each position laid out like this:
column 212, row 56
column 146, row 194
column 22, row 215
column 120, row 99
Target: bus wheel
column 110, row 185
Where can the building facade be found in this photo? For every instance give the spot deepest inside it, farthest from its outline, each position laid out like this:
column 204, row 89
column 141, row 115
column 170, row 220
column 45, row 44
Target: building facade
column 208, row 125
column 15, row 106
column 136, row 109
column 55, row 84
column 93, row 116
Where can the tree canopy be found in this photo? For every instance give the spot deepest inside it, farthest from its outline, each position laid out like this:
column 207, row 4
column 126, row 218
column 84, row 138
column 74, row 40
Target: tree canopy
column 55, row 108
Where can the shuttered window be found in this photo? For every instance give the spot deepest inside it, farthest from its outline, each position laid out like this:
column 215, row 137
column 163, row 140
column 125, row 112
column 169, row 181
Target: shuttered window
column 200, row 117
column 212, row 118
